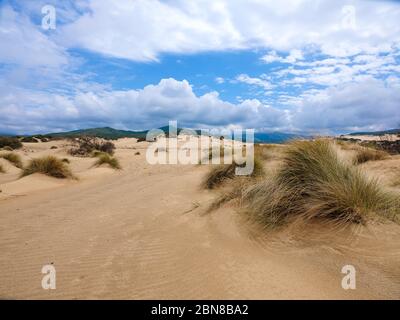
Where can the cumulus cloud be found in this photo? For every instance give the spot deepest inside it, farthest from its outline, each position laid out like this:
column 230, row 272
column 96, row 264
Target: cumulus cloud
column 367, row 105
column 352, row 84
column 371, row 104
column 150, row 107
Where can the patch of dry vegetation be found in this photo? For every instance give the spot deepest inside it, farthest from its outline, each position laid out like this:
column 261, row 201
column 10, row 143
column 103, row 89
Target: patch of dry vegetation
column 105, row 158
column 396, row 181
column 14, row 158
column 367, row 154
column 48, row 165
column 10, row 142
column 314, row 183
column 218, row 174
column 85, row 146
column 2, row 169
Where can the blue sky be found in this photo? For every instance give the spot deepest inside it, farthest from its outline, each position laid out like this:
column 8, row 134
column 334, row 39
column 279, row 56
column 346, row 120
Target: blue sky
column 296, row 65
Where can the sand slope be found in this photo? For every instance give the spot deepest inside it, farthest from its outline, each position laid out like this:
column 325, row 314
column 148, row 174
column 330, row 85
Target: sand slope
column 143, row 233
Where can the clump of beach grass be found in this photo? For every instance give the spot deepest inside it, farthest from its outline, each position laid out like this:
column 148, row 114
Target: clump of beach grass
column 105, row 158
column 48, row 165
column 2, row 169
column 368, row 154
column 218, row 174
column 314, row 183
column 14, row 158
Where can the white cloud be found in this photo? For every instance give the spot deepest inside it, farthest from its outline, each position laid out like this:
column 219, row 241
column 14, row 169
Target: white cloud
column 259, row 82
column 23, row 43
column 370, row 104
column 219, row 80
column 272, row 56
column 142, row 30
column 366, row 105
column 150, row 107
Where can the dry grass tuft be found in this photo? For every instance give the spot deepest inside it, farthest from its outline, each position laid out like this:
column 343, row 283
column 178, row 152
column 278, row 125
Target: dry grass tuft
column 367, row 154
column 220, row 173
column 14, row 158
column 313, row 183
column 2, row 169
column 50, row 166
column 105, row 158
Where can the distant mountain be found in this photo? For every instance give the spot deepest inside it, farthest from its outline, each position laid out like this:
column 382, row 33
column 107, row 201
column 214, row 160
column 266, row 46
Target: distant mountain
column 111, row 133
column 376, row 133
column 106, row 133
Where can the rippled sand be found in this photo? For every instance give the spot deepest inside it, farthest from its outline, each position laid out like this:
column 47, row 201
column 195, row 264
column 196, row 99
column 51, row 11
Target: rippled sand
column 143, row 233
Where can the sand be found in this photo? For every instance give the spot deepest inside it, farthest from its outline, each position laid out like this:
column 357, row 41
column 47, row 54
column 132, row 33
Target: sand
column 144, row 233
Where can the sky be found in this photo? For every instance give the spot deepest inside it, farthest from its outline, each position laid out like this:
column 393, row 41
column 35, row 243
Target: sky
column 309, row 66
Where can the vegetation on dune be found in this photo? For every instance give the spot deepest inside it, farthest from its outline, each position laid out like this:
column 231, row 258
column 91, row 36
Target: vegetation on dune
column 14, row 158
column 85, row 146
column 48, row 165
column 314, row 182
column 220, row 173
column 105, row 158
column 2, row 169
column 66, row 160
column 367, row 154
column 10, row 142
column 29, row 140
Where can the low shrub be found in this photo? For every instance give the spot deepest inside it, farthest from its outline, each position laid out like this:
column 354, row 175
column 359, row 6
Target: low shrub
column 85, row 146
column 10, row 142
column 29, row 140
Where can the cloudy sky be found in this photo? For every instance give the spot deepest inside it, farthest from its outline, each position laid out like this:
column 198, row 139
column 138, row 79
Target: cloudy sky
column 309, row 66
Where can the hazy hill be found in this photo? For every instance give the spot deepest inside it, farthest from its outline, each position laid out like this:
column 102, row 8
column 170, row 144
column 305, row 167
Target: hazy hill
column 111, row 133
column 376, row 133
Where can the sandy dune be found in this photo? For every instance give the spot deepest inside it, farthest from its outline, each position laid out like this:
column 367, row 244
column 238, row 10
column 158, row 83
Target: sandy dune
column 143, row 232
